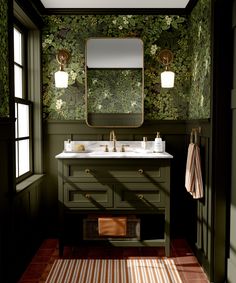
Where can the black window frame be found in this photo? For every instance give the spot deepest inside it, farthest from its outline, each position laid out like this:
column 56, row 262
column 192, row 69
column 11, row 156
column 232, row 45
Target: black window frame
column 24, row 101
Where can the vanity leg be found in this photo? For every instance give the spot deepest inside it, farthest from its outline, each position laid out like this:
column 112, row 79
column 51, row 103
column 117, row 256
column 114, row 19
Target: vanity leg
column 61, row 248
column 167, row 249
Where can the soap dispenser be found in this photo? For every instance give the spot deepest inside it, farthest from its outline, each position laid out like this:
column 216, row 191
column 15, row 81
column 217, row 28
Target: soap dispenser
column 67, row 146
column 144, row 143
column 158, row 147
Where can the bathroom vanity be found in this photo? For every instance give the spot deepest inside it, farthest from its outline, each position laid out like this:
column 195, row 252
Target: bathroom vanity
column 134, row 185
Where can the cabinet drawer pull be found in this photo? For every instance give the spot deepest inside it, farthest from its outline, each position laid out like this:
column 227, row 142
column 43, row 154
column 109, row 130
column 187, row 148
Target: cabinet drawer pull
column 140, row 196
column 87, row 195
column 87, row 171
column 140, row 171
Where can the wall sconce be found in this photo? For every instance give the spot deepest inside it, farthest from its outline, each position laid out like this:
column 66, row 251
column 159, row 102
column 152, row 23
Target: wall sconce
column 167, row 77
column 61, row 77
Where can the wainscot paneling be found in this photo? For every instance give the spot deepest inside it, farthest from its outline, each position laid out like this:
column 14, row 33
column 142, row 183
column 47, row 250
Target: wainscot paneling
column 6, row 187
column 27, row 228
column 21, row 231
column 203, row 230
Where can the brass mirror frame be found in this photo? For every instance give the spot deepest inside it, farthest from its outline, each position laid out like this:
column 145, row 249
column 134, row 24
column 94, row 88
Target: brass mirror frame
column 114, row 115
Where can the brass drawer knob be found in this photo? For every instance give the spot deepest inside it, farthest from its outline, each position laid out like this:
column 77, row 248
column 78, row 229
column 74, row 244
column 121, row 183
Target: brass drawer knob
column 140, row 171
column 140, row 196
column 87, row 195
column 87, row 171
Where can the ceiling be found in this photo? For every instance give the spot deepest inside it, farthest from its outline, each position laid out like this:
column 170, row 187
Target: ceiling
column 91, row 4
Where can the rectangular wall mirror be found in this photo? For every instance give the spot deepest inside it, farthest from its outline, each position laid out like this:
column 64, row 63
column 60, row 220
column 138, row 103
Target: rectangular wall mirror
column 114, row 82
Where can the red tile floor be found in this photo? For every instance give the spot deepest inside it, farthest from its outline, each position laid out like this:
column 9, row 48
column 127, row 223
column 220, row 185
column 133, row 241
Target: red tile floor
column 189, row 269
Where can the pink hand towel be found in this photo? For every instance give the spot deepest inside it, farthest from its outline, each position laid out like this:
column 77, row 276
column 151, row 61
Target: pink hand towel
column 193, row 175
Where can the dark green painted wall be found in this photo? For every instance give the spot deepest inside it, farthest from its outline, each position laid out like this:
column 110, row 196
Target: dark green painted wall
column 232, row 213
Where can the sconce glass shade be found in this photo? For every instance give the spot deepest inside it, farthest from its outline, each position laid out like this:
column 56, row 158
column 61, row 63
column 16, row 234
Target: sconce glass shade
column 167, row 79
column 61, row 79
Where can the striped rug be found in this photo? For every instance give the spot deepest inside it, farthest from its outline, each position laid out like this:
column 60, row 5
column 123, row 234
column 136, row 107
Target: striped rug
column 141, row 270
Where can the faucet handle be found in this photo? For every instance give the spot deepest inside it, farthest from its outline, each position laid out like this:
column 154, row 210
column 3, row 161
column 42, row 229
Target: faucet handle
column 106, row 147
column 123, row 147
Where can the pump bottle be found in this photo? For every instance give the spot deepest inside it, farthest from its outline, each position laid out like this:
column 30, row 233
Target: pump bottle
column 158, row 147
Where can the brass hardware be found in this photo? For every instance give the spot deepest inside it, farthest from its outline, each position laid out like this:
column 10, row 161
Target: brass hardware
column 194, row 134
column 87, row 195
column 87, row 171
column 111, row 120
column 106, row 147
column 123, row 147
column 140, row 196
column 140, row 171
column 198, row 130
column 113, row 139
column 62, row 57
column 166, row 57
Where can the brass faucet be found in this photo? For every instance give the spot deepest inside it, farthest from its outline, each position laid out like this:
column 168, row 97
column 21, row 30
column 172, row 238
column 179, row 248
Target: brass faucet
column 113, row 138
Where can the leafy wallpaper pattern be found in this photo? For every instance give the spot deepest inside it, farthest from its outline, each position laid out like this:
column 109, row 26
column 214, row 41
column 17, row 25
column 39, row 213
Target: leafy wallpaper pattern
column 114, row 90
column 4, row 89
column 200, row 46
column 157, row 32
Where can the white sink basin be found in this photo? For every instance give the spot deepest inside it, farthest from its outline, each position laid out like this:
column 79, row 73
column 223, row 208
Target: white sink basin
column 112, row 154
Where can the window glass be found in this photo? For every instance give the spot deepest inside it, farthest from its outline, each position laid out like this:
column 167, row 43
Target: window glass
column 23, row 123
column 17, row 47
column 16, row 122
column 17, row 161
column 24, row 156
column 18, row 78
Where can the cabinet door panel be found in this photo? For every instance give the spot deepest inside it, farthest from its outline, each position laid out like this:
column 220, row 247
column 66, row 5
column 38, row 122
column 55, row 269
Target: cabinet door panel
column 88, row 195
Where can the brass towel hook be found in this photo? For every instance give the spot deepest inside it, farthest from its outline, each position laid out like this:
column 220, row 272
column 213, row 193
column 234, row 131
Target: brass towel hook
column 194, row 134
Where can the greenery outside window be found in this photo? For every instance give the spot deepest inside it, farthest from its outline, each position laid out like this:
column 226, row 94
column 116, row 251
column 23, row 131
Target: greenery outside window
column 23, row 106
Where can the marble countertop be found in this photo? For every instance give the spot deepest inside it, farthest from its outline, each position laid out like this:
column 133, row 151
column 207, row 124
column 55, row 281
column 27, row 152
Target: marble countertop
column 93, row 149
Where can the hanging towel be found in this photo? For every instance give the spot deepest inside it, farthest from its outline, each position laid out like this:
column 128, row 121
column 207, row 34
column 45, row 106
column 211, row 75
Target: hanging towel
column 193, row 175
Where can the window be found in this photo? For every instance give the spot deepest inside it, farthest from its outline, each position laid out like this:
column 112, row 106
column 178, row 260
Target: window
column 23, row 106
column 27, row 94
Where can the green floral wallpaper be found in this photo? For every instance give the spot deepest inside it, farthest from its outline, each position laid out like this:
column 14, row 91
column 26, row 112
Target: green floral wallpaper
column 114, row 90
column 180, row 34
column 4, row 89
column 200, row 46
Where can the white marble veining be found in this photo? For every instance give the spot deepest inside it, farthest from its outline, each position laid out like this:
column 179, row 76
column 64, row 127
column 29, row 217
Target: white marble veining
column 96, row 149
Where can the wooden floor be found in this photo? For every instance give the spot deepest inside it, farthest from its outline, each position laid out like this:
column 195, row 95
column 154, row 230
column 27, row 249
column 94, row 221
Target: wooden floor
column 189, row 269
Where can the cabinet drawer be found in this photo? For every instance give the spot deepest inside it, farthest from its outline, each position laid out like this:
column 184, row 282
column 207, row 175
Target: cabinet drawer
column 88, row 195
column 83, row 172
column 117, row 170
column 139, row 196
column 142, row 173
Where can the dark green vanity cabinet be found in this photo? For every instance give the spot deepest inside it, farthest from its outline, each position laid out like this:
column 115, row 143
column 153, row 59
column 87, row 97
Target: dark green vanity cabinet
column 93, row 187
